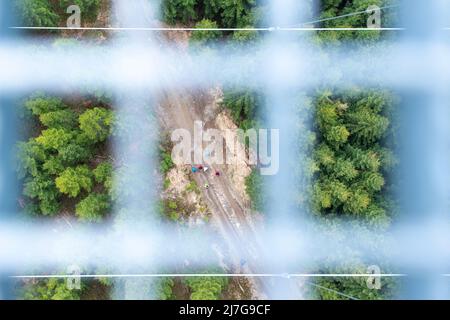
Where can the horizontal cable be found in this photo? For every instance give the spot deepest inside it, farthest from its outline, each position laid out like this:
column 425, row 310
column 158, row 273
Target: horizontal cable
column 331, row 290
column 206, row 29
column 342, row 16
column 222, row 275
column 288, row 28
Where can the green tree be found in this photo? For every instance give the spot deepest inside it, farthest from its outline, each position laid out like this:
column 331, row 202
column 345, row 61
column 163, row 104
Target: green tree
column 93, row 207
column 244, row 106
column 60, row 119
column 325, row 156
column 367, row 127
column 254, row 187
column 204, row 37
column 344, row 170
column 89, row 8
column 236, row 13
column 74, row 153
column 179, row 10
column 96, row 124
column 42, row 187
column 51, row 289
column 352, row 288
column 351, row 126
column 53, row 165
column 353, row 154
column 326, row 114
column 104, row 174
column 337, row 135
column 245, row 36
column 163, row 289
column 322, row 198
column 212, row 9
column 373, row 181
column 358, row 202
column 165, row 161
column 36, row 13
column 227, row 13
column 367, row 160
column 40, row 104
column 55, row 139
column 206, row 288
column 333, row 8
column 73, row 180
column 339, row 191
column 30, row 155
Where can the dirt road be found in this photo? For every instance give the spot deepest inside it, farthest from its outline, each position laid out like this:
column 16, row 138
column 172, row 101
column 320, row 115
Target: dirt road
column 180, row 110
column 230, row 214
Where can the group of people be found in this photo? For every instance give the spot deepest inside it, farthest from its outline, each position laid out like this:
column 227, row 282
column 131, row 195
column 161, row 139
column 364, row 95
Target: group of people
column 200, row 168
column 196, row 169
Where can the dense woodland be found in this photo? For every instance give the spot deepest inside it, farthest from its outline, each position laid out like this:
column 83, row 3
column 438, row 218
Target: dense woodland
column 56, row 165
column 64, row 161
column 51, row 13
column 351, row 155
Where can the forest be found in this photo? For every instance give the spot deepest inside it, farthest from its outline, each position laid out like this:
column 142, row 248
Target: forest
column 49, row 13
column 353, row 154
column 56, row 165
column 64, row 161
